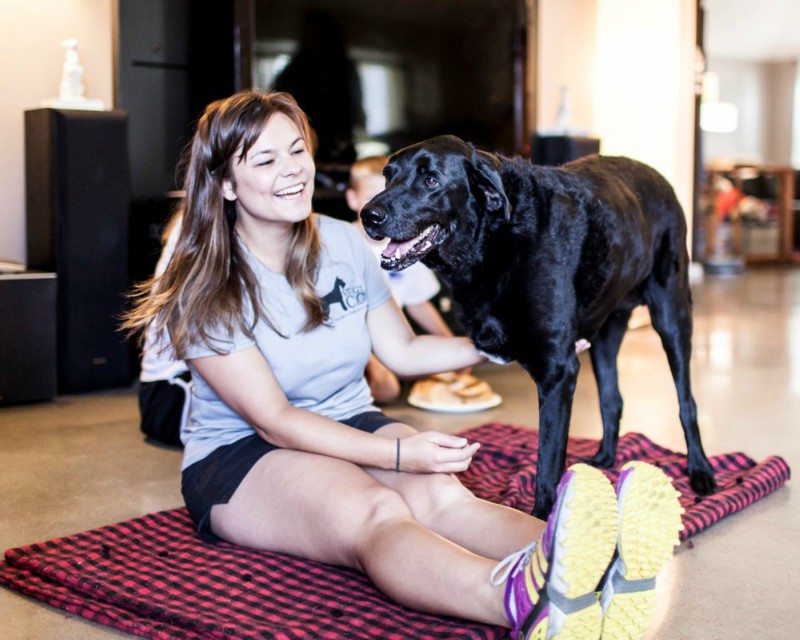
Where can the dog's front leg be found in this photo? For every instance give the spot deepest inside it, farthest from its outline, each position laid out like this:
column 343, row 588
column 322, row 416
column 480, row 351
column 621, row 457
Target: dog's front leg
column 556, row 387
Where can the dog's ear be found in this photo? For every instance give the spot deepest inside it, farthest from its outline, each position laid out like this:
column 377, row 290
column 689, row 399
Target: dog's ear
column 485, row 183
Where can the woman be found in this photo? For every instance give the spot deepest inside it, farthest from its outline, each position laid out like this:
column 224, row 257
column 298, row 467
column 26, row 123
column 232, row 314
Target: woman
column 276, row 310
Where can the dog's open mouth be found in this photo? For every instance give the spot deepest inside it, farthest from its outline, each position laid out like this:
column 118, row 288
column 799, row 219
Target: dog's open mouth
column 400, row 254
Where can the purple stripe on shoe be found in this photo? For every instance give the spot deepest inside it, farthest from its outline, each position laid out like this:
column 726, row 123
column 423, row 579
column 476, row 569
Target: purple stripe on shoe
column 622, row 476
column 509, row 598
column 549, row 532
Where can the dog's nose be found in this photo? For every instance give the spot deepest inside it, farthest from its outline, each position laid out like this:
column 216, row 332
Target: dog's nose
column 372, row 216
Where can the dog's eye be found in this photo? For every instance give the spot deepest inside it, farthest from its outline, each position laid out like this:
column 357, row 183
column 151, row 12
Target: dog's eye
column 430, row 181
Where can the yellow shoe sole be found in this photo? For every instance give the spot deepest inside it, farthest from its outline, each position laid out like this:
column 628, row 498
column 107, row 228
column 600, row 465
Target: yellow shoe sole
column 649, row 525
column 585, row 538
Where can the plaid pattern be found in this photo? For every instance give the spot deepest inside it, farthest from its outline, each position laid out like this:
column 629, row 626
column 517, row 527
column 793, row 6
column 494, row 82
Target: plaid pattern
column 505, row 471
column 152, row 577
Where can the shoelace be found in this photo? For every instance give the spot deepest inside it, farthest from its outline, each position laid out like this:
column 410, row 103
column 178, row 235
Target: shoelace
column 505, row 567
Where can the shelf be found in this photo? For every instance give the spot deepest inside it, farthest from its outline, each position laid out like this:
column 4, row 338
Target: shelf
column 748, row 214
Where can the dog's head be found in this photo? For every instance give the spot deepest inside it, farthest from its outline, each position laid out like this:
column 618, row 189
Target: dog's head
column 439, row 196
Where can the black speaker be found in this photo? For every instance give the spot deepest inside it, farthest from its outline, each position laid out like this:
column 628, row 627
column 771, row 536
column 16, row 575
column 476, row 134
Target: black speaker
column 558, row 150
column 77, row 186
column 27, row 337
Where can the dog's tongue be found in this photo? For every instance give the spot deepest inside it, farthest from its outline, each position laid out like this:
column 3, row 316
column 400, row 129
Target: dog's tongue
column 391, row 249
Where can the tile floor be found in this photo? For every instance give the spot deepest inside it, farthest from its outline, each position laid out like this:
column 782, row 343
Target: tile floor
column 79, row 462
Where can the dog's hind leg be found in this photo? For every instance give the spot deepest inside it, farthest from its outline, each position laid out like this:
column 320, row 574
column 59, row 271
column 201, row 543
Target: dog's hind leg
column 670, row 304
column 605, row 347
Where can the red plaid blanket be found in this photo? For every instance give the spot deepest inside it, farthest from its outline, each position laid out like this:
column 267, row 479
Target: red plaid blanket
column 153, row 578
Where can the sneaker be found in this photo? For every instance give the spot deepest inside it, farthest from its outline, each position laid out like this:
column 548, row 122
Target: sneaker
column 551, row 584
column 649, row 524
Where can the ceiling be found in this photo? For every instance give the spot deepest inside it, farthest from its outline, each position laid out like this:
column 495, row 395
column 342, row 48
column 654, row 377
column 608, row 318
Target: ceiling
column 755, row 30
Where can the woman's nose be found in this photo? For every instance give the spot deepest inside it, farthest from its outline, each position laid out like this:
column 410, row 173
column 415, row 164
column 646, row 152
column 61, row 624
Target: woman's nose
column 291, row 166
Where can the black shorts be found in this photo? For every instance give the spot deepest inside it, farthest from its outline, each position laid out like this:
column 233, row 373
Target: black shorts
column 215, row 478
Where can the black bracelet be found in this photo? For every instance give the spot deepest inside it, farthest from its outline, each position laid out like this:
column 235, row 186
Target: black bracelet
column 397, row 460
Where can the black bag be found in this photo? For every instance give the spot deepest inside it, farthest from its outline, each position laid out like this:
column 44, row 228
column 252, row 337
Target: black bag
column 164, row 408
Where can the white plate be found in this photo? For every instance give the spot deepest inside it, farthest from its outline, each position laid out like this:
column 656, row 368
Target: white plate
column 471, row 407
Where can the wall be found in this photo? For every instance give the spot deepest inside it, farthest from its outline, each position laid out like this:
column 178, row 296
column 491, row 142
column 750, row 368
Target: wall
column 763, row 93
column 645, row 86
column 629, row 66
column 780, row 83
column 30, row 66
column 565, row 57
column 743, row 84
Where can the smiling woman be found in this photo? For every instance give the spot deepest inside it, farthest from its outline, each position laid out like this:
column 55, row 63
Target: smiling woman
column 271, row 186
column 199, row 288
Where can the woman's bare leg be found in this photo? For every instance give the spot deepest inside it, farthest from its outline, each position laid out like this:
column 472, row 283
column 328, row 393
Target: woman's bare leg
column 332, row 511
column 441, row 503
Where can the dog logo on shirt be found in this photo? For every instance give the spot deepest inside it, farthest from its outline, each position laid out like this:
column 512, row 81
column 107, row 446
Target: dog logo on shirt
column 348, row 297
column 336, row 296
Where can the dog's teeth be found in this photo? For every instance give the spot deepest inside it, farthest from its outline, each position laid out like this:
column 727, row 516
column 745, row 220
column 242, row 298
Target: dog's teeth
column 397, row 254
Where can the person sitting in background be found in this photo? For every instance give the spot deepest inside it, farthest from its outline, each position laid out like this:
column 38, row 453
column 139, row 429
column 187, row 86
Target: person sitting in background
column 323, row 78
column 413, row 288
column 165, row 383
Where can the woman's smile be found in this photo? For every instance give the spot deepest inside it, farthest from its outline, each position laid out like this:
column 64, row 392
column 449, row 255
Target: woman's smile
column 291, row 193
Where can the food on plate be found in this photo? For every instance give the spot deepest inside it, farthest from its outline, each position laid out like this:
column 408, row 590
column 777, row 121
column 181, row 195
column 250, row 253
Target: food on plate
column 451, row 389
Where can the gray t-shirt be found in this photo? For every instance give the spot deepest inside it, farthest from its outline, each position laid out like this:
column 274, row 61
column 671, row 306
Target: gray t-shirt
column 320, row 370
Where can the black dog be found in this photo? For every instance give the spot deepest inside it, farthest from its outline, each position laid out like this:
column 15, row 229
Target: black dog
column 538, row 257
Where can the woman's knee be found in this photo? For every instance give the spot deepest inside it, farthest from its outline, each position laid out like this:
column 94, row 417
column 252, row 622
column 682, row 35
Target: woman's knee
column 434, row 495
column 381, row 505
column 380, row 509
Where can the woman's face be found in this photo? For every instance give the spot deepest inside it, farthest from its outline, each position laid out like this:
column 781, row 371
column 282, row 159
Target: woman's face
column 275, row 181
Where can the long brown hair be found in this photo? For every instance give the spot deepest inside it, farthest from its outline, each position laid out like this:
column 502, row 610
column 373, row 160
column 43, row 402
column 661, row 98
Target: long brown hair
column 208, row 285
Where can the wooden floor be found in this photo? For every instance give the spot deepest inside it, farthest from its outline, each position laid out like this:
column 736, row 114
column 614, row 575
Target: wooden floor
column 80, row 462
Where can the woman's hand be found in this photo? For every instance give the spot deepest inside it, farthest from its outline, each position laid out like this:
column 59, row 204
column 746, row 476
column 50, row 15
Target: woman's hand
column 435, row 452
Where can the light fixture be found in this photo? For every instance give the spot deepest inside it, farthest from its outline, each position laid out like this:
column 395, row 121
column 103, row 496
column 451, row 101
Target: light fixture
column 716, row 116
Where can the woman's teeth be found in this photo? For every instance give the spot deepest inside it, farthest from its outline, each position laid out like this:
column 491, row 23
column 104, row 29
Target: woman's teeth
column 290, row 191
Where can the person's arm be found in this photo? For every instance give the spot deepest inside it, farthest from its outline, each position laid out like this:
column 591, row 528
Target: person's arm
column 383, row 384
column 245, row 382
column 410, row 355
column 427, row 317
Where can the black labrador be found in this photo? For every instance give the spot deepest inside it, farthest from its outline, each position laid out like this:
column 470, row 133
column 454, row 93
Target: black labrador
column 537, row 257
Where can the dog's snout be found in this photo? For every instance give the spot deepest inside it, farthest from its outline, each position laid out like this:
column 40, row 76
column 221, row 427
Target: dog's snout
column 372, row 216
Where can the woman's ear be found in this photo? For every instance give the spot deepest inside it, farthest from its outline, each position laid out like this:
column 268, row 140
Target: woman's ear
column 227, row 190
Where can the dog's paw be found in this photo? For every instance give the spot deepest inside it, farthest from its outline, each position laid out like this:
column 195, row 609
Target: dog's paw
column 702, row 482
column 602, row 459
